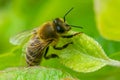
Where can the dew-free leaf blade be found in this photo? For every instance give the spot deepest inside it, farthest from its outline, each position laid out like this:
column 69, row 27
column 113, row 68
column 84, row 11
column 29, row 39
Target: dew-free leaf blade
column 107, row 18
column 34, row 73
column 84, row 55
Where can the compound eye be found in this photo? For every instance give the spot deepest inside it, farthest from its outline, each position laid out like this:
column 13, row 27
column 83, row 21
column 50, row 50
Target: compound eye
column 59, row 29
column 58, row 26
column 55, row 21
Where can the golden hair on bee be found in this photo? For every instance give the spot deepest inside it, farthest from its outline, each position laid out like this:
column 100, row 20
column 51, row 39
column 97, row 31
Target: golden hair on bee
column 46, row 35
column 47, row 31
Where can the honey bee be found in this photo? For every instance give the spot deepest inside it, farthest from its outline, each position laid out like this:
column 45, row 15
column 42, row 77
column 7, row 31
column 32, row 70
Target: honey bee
column 42, row 37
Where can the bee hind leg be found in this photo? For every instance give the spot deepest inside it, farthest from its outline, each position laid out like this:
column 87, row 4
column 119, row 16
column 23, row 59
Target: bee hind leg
column 49, row 56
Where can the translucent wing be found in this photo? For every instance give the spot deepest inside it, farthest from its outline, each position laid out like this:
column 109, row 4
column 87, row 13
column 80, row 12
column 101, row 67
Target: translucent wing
column 21, row 37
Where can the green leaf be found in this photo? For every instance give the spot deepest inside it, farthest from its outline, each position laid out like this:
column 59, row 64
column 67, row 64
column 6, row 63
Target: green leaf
column 85, row 55
column 106, row 73
column 34, row 73
column 107, row 17
column 12, row 58
column 115, row 55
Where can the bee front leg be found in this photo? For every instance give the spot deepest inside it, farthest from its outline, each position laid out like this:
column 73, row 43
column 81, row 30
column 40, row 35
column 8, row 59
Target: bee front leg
column 70, row 36
column 49, row 56
column 64, row 46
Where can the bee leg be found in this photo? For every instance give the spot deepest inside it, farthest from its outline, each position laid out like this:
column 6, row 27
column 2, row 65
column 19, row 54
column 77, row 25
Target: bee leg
column 64, row 46
column 49, row 56
column 70, row 36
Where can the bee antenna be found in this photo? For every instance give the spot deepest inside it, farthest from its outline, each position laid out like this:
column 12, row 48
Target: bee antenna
column 67, row 13
column 76, row 26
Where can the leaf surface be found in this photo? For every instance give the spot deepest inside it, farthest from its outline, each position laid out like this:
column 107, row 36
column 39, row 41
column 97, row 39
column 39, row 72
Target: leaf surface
column 84, row 55
column 34, row 73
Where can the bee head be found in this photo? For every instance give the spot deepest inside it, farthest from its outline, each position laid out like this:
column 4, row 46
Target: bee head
column 61, row 26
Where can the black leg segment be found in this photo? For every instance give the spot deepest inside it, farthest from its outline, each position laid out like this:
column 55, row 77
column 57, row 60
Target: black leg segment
column 64, row 46
column 70, row 36
column 49, row 56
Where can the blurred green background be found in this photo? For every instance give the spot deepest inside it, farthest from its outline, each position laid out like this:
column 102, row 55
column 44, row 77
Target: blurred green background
column 20, row 15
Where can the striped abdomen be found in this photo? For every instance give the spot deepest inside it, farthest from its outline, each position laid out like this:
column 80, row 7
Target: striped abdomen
column 34, row 52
